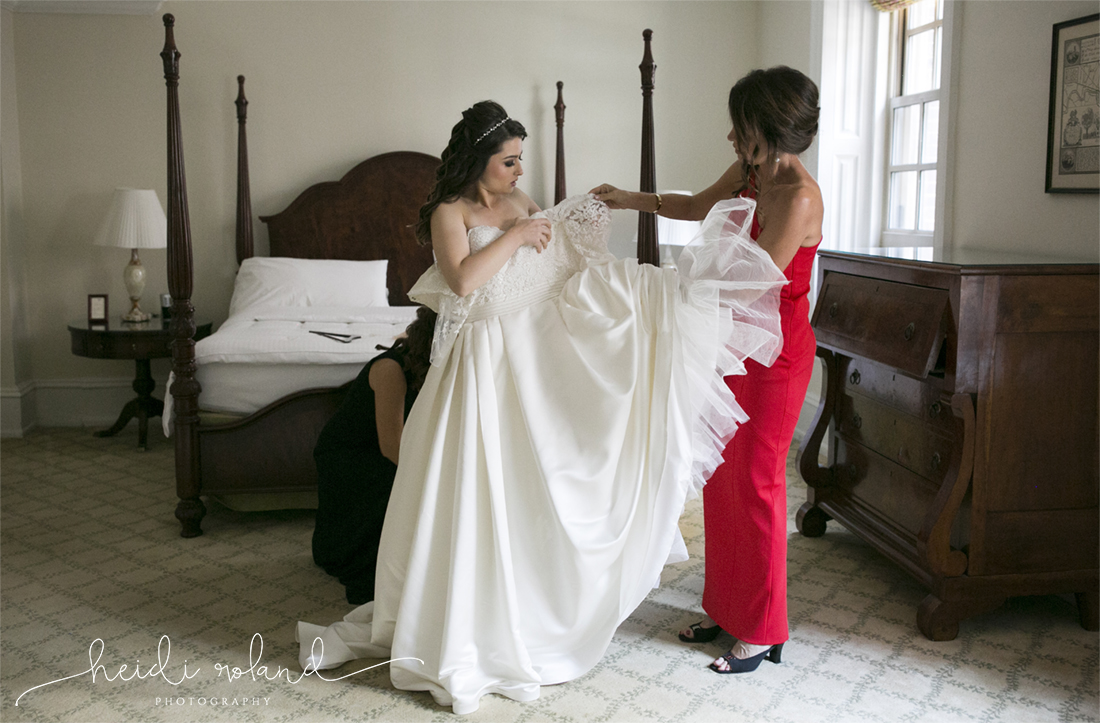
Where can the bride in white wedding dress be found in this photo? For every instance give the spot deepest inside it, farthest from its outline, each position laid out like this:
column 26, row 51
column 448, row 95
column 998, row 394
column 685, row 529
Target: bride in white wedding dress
column 575, row 402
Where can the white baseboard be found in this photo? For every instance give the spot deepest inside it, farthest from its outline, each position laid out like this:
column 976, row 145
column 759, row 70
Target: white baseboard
column 94, row 402
column 17, row 410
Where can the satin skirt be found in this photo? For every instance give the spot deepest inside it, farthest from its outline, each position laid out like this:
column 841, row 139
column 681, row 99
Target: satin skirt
column 543, row 470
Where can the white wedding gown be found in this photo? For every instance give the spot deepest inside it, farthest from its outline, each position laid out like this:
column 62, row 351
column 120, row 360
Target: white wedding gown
column 574, row 404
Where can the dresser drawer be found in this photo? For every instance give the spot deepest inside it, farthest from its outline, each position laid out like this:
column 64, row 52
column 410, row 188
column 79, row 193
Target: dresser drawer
column 922, row 399
column 900, row 438
column 888, row 490
column 899, row 325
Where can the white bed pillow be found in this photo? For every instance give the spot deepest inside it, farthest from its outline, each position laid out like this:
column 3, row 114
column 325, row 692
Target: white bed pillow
column 280, row 281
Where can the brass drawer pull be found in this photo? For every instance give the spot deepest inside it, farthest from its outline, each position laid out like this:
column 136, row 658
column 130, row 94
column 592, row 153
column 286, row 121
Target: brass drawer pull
column 909, row 331
column 833, row 309
column 854, row 378
column 935, row 461
column 857, row 421
column 934, row 410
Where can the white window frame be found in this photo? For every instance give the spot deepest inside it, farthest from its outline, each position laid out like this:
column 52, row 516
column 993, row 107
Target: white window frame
column 852, row 160
column 938, row 239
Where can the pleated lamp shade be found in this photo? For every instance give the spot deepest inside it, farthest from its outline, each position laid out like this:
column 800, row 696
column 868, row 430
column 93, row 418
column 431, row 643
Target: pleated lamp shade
column 135, row 221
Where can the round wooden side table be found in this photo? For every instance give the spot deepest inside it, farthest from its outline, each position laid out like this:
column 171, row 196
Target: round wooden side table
column 141, row 342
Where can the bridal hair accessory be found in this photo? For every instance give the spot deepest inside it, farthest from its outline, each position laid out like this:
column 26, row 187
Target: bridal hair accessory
column 498, row 125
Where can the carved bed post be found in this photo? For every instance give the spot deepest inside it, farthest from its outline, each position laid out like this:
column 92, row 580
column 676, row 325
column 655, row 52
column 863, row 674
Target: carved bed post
column 185, row 389
column 648, row 250
column 559, row 167
column 244, row 192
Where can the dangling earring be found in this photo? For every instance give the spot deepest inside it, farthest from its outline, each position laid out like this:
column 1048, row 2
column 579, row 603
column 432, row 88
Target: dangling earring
column 777, row 157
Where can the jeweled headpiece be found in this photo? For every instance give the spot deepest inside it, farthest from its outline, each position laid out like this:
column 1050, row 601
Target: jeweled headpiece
column 498, row 125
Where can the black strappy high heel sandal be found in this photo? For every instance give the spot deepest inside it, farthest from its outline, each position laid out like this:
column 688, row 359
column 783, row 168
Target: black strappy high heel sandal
column 699, row 634
column 747, row 665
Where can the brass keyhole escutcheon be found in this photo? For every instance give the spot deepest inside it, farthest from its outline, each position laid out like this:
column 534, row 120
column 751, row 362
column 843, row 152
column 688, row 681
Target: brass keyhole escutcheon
column 934, row 410
column 909, row 331
column 935, row 461
column 833, row 309
column 857, row 421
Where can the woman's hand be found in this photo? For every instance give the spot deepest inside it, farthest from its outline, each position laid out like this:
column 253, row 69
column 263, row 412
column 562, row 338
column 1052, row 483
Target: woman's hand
column 534, row 232
column 615, row 198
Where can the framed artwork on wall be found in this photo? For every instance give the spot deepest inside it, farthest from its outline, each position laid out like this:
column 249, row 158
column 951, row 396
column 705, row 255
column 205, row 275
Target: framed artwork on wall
column 1073, row 137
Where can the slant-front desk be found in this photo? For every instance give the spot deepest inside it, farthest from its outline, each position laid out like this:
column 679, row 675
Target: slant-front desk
column 959, row 411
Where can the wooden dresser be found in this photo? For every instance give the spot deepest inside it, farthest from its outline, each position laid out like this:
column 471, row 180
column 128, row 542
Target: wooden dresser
column 959, row 407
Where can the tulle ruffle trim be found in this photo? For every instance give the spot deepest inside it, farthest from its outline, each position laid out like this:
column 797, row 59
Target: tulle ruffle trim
column 730, row 313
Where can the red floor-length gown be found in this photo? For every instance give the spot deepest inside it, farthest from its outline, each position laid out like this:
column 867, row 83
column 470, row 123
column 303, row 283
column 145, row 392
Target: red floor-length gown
column 745, row 501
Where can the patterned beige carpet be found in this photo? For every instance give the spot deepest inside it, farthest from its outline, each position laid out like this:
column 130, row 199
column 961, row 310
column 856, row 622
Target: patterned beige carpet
column 90, row 550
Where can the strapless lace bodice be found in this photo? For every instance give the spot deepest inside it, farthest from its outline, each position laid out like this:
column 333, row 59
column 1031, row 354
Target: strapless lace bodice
column 579, row 230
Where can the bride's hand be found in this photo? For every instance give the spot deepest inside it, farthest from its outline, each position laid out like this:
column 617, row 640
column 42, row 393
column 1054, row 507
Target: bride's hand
column 614, row 198
column 533, row 232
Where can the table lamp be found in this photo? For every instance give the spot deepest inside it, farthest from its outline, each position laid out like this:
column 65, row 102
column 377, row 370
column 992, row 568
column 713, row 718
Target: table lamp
column 135, row 221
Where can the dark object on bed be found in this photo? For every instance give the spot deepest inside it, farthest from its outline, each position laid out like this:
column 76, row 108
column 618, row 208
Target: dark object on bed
column 369, row 214
column 354, row 218
column 354, row 480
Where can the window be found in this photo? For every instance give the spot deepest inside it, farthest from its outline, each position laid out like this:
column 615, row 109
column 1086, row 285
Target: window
column 913, row 123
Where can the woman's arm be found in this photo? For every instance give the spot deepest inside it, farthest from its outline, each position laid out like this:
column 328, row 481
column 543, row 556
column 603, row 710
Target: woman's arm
column 387, row 379
column 464, row 271
column 675, row 205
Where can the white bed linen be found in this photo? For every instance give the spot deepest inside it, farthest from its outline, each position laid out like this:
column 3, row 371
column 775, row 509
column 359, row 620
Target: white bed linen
column 262, row 354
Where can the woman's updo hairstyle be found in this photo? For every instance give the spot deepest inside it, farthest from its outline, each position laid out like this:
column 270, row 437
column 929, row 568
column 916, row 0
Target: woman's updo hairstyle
column 779, row 103
column 484, row 128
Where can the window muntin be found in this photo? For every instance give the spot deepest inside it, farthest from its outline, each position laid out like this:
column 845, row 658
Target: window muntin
column 913, row 125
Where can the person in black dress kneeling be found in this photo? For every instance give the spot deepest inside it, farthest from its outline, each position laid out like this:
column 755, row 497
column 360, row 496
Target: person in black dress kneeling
column 356, row 457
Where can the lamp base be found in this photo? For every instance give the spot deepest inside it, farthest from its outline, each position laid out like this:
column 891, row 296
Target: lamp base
column 134, row 276
column 136, row 315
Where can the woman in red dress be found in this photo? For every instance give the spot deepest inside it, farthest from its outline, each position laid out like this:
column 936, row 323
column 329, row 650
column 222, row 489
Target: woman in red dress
column 774, row 115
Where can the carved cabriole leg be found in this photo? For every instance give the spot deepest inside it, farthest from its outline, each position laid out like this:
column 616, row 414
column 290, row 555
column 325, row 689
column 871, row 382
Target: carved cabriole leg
column 939, row 620
column 810, row 518
column 934, row 538
column 185, row 389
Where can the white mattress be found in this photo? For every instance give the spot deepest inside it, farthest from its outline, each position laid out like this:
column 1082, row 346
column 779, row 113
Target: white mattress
column 263, row 354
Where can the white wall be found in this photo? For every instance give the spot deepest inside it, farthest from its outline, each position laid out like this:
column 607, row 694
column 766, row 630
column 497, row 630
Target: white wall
column 329, row 84
column 785, row 38
column 15, row 367
column 1001, row 135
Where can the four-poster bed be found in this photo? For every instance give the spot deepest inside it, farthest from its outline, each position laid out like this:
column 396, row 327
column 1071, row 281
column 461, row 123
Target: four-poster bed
column 368, row 215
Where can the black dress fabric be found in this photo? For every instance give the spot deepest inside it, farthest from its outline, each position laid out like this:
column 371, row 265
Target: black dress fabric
column 354, row 481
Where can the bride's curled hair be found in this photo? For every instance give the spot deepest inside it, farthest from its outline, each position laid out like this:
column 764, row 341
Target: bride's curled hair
column 484, row 128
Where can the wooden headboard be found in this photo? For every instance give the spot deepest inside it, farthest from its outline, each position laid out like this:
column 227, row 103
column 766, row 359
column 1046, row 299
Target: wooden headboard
column 368, row 214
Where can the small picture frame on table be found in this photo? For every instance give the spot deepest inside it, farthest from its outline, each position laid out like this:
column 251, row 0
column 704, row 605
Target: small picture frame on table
column 1073, row 134
column 97, row 311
